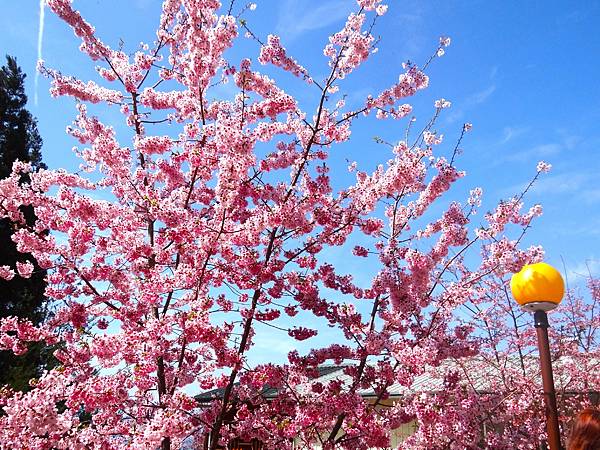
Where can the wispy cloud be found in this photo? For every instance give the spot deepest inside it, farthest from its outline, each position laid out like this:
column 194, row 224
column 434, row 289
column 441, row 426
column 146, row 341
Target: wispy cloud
column 39, row 51
column 296, row 18
column 546, row 149
column 471, row 101
column 493, row 72
column 510, row 133
column 481, row 96
column 589, row 228
column 533, row 153
column 563, row 183
column 589, row 267
column 577, row 185
column 542, row 151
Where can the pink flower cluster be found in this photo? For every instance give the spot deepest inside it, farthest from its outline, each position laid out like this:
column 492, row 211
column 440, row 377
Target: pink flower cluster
column 408, row 84
column 350, row 47
column 274, row 53
column 203, row 226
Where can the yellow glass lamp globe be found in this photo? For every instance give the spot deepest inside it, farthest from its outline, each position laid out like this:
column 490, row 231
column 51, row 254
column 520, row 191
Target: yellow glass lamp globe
column 537, row 286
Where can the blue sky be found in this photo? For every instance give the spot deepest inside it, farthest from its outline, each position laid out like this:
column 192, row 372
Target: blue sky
column 524, row 73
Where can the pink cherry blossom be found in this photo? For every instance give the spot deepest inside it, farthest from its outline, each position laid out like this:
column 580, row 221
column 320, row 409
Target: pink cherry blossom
column 25, row 269
column 543, row 166
column 203, row 225
column 6, row 273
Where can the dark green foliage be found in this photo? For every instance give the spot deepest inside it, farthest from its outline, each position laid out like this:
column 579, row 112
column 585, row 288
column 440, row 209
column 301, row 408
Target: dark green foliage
column 19, row 139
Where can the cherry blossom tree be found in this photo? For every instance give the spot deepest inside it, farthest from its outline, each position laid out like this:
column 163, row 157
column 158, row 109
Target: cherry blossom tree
column 170, row 246
column 494, row 400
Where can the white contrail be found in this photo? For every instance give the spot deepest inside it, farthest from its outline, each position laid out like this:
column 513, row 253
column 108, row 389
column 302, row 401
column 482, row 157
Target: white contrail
column 39, row 51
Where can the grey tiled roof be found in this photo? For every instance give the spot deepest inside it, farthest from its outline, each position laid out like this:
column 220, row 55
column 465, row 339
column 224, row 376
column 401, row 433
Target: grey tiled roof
column 480, row 374
column 267, row 391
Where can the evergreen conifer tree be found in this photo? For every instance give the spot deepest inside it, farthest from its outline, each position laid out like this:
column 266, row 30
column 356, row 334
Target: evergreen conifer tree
column 21, row 297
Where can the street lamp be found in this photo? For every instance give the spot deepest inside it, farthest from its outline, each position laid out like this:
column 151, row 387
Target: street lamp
column 539, row 288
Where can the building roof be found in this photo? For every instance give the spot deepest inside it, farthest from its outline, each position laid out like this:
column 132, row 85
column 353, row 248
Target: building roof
column 267, row 391
column 479, row 373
